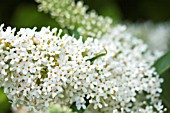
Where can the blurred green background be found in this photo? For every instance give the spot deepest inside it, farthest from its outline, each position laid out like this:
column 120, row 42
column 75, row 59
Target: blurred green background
column 23, row 13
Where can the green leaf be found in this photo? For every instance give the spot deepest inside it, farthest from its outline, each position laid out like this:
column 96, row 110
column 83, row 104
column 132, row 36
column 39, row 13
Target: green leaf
column 73, row 33
column 166, row 90
column 57, row 108
column 74, row 108
column 98, row 56
column 5, row 106
column 163, row 64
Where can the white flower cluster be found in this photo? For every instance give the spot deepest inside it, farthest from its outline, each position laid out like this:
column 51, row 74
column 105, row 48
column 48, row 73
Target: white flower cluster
column 74, row 16
column 155, row 35
column 137, row 82
column 39, row 68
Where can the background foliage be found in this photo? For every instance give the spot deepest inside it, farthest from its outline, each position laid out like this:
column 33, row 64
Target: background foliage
column 23, row 13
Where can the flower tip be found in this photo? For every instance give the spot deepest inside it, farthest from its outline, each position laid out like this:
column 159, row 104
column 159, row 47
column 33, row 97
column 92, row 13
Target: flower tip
column 59, row 33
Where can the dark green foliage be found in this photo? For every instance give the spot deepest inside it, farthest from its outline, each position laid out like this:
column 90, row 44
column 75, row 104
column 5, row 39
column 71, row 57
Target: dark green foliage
column 163, row 64
column 163, row 68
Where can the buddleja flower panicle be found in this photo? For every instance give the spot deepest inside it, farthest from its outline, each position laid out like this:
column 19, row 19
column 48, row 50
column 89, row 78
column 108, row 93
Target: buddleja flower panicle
column 42, row 67
column 152, row 33
column 74, row 16
column 38, row 68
